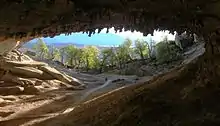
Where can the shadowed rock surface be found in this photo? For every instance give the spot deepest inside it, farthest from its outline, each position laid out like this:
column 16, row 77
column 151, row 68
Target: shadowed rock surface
column 186, row 96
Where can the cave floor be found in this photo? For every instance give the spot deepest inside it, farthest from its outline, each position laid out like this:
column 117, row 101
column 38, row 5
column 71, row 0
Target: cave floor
column 109, row 103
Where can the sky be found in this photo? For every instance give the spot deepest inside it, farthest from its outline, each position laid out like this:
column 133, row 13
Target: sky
column 107, row 39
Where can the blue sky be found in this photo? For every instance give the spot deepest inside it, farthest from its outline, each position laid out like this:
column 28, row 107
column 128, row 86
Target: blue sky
column 107, row 39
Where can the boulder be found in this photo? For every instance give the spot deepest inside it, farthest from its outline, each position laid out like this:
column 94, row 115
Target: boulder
column 24, row 63
column 59, row 76
column 15, row 90
column 5, row 114
column 1, row 100
column 4, row 102
column 8, row 98
column 15, row 81
column 55, row 73
column 30, row 72
column 31, row 90
column 7, row 84
column 38, row 82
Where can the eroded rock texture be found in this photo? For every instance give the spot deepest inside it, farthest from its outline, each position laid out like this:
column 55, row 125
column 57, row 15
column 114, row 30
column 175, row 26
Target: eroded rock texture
column 52, row 17
column 186, row 97
column 20, row 74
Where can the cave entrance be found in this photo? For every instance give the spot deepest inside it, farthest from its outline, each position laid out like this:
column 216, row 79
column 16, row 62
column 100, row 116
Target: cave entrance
column 108, row 50
column 67, row 50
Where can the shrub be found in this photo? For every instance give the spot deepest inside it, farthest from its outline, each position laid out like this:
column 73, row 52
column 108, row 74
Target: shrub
column 167, row 52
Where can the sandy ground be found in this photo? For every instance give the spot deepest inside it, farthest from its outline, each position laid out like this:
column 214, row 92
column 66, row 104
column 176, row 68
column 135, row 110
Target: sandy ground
column 55, row 102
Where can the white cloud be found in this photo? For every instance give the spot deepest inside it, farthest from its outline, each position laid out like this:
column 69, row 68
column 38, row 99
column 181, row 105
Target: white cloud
column 160, row 35
column 157, row 36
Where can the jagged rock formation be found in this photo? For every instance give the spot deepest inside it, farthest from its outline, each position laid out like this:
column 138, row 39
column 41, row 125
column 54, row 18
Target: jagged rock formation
column 24, row 73
column 184, row 40
column 52, row 17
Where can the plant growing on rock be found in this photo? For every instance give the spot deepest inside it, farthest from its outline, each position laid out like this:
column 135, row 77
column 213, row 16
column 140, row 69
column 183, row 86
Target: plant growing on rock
column 167, row 52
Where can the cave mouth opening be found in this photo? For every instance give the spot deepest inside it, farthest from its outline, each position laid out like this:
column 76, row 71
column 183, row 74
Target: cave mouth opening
column 105, row 37
column 101, row 39
column 68, row 49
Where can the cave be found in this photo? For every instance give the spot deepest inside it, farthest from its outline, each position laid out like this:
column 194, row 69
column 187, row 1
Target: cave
column 187, row 95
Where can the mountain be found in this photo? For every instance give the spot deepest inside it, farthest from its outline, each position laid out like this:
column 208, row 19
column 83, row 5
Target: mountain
column 57, row 45
column 101, row 40
column 96, row 39
column 80, row 39
column 29, row 45
column 60, row 45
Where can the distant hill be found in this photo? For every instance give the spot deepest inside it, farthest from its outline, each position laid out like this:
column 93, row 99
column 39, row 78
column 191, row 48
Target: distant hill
column 60, row 45
column 57, row 45
column 29, row 45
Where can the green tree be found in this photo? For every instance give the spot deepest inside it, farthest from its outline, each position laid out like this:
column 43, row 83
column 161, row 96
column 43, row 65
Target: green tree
column 41, row 48
column 71, row 52
column 78, row 57
column 54, row 53
column 62, row 54
column 107, row 58
column 166, row 52
column 112, row 59
column 151, row 48
column 127, row 49
column 123, row 53
column 141, row 49
column 90, row 57
column 71, row 55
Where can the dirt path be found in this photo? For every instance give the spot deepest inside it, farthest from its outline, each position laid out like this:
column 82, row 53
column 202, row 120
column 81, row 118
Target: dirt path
column 94, row 89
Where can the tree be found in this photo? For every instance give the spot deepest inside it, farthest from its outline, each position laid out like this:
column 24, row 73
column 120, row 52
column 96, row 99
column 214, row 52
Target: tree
column 112, row 59
column 123, row 53
column 167, row 52
column 141, row 49
column 127, row 49
column 71, row 52
column 151, row 46
column 62, row 54
column 78, row 57
column 54, row 53
column 41, row 48
column 106, row 58
column 90, row 57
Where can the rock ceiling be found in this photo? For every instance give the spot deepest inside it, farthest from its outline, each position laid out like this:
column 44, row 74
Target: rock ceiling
column 21, row 18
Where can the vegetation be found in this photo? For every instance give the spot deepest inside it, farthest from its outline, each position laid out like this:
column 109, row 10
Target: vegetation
column 141, row 49
column 71, row 52
column 41, row 49
column 91, row 58
column 53, row 53
column 107, row 59
column 167, row 52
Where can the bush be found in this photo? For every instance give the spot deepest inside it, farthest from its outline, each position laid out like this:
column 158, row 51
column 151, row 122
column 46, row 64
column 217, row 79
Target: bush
column 167, row 52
